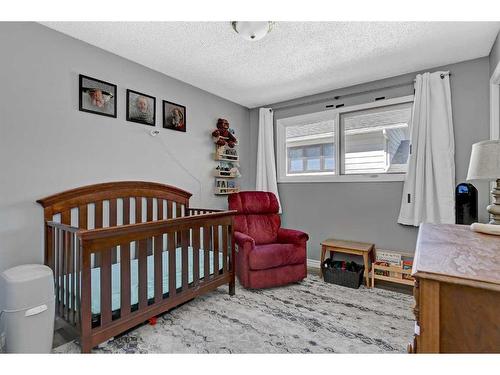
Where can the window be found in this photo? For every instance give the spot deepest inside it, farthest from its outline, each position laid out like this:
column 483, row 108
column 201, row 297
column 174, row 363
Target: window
column 310, row 148
column 366, row 142
column 376, row 140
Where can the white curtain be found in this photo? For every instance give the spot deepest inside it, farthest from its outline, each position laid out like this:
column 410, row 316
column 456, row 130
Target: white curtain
column 428, row 193
column 266, row 166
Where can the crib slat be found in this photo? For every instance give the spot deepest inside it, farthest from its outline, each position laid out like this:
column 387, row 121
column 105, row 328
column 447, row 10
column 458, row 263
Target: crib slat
column 158, row 252
column 177, row 215
column 98, row 215
column 112, row 212
column 125, row 266
column 206, row 252
column 61, row 274
column 50, row 247
column 66, row 217
column 159, row 255
column 97, row 224
column 82, row 217
column 138, row 219
column 171, row 264
column 138, row 209
column 216, row 249
column 112, row 223
column 169, row 209
column 105, row 287
column 126, row 211
column 196, row 256
column 56, row 267
column 149, row 208
column 66, row 274
column 159, row 209
column 224, row 248
column 143, row 272
column 185, row 266
column 149, row 218
column 86, row 312
column 77, row 281
column 82, row 224
column 71, row 279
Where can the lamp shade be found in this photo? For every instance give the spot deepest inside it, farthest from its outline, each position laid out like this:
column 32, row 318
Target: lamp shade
column 485, row 161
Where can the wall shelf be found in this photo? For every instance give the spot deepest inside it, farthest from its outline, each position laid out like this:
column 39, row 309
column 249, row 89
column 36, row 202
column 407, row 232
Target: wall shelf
column 228, row 161
column 224, row 157
column 226, row 191
column 224, row 175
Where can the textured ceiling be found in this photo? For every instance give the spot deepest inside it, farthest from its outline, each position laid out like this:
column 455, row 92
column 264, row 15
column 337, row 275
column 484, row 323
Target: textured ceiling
column 296, row 59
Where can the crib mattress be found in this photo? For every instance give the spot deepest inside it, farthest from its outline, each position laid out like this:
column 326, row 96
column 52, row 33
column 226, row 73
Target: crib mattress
column 134, row 277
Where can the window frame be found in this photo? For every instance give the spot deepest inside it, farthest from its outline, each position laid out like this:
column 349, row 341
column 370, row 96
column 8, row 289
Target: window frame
column 331, row 115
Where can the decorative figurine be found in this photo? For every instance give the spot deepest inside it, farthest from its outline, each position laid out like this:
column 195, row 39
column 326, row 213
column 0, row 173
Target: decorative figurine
column 223, row 135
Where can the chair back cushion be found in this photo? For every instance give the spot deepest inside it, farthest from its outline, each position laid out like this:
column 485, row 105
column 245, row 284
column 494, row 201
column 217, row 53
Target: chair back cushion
column 257, row 215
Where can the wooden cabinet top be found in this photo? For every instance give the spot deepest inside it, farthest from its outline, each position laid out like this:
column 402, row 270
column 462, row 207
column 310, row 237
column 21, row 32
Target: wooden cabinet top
column 455, row 254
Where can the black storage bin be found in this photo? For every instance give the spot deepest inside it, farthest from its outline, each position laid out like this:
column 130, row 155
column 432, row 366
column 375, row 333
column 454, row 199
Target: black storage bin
column 348, row 274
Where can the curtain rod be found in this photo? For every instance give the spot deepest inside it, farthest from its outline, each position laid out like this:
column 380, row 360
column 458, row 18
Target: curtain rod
column 337, row 97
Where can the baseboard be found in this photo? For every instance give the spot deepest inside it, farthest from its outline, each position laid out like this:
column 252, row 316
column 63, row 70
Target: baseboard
column 313, row 263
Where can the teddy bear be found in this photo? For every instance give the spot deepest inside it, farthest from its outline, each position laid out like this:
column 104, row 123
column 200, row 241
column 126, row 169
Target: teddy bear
column 223, row 135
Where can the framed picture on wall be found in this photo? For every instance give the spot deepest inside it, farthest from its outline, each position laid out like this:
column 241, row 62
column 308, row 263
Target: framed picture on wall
column 141, row 108
column 96, row 96
column 174, row 116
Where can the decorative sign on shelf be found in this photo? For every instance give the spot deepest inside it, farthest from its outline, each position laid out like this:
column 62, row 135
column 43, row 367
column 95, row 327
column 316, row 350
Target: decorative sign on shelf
column 227, row 157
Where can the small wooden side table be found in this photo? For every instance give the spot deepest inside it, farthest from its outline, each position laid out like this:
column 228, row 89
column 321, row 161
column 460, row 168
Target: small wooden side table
column 366, row 250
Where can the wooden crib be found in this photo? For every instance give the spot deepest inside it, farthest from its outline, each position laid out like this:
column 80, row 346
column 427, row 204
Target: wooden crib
column 124, row 252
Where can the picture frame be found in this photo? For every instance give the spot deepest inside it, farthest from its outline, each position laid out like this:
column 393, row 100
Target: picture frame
column 97, row 96
column 174, row 116
column 141, row 108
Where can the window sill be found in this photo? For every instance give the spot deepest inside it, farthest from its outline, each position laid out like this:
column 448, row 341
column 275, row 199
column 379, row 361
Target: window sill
column 396, row 177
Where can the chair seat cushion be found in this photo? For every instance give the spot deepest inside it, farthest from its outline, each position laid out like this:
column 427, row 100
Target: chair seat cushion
column 274, row 255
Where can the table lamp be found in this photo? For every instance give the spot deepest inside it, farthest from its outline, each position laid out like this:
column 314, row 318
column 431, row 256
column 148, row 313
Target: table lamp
column 485, row 165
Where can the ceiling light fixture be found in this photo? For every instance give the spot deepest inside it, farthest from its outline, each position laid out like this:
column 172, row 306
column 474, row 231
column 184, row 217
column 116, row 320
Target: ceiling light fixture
column 252, row 30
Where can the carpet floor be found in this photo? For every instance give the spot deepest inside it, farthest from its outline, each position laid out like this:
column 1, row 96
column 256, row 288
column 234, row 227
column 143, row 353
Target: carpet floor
column 307, row 317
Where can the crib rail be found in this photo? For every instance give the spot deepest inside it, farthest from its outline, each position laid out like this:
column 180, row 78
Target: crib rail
column 64, row 257
column 206, row 232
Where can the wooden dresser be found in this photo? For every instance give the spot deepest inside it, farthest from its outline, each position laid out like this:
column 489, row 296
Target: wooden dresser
column 457, row 291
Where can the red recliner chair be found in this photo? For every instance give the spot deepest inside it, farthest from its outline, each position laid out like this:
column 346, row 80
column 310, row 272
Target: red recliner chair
column 267, row 255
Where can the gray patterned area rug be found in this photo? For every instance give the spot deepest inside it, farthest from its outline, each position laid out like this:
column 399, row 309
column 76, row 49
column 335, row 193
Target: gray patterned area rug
column 307, row 317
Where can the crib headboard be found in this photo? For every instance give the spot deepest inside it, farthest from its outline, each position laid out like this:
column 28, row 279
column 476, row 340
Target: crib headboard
column 164, row 197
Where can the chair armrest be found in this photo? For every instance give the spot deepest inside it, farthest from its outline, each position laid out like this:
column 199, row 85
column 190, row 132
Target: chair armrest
column 292, row 236
column 243, row 240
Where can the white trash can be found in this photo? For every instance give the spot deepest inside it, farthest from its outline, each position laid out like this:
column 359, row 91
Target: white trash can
column 27, row 304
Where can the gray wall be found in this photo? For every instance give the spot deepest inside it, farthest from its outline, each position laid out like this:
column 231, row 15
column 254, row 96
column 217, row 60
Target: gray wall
column 495, row 55
column 369, row 211
column 47, row 145
column 495, row 60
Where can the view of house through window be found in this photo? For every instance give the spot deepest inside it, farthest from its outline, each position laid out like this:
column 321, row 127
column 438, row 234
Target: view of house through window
column 376, row 140
column 311, row 148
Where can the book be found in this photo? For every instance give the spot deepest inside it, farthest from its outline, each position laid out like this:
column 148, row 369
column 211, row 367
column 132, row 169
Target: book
column 407, row 265
column 381, row 272
column 388, row 256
